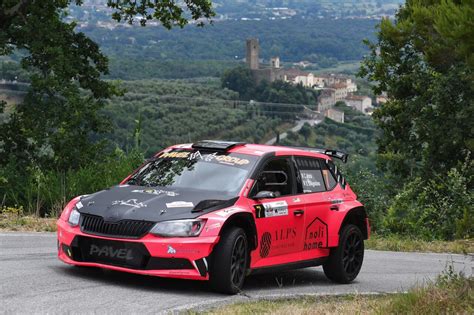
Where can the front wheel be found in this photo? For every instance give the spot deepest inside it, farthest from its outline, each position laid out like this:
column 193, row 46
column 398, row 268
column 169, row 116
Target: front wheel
column 345, row 261
column 229, row 262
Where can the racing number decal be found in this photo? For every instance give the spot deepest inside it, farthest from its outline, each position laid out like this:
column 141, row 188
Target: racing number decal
column 260, row 211
column 271, row 209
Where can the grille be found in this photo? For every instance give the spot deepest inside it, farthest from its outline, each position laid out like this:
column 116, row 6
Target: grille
column 96, row 225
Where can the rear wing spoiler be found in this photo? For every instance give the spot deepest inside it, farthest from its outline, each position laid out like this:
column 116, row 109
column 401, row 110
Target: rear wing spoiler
column 332, row 153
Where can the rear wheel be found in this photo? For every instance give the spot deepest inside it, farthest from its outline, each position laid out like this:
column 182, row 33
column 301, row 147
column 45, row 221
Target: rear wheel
column 345, row 261
column 229, row 262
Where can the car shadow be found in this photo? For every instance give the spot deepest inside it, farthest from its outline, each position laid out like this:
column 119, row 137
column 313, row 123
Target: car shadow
column 285, row 279
column 253, row 283
column 134, row 281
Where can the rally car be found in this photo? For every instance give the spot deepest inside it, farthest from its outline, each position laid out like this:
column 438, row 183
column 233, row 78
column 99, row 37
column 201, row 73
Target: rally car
column 219, row 211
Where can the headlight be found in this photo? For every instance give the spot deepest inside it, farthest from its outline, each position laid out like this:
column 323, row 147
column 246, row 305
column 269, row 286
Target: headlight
column 74, row 217
column 179, row 228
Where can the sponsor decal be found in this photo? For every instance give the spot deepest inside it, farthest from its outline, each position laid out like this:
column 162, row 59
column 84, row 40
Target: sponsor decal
column 271, row 209
column 109, row 251
column 265, row 244
column 176, row 154
column 278, row 239
column 162, row 211
column 197, row 155
column 179, row 204
column 296, row 199
column 90, row 203
column 130, row 202
column 79, row 205
column 231, row 160
column 171, row 250
column 336, row 201
column 156, row 192
column 316, row 235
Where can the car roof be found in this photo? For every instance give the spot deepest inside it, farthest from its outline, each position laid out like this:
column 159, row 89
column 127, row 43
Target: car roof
column 262, row 149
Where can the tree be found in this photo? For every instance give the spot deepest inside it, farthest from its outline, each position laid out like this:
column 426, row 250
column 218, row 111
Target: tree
column 424, row 61
column 239, row 79
column 305, row 131
column 58, row 122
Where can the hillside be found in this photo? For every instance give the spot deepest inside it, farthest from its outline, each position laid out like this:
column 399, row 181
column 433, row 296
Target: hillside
column 169, row 112
column 152, row 52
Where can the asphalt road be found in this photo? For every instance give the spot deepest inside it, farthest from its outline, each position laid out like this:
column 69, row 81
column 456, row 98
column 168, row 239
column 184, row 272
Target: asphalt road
column 33, row 280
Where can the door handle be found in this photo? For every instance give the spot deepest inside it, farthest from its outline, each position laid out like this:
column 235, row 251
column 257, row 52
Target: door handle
column 334, row 208
column 298, row 212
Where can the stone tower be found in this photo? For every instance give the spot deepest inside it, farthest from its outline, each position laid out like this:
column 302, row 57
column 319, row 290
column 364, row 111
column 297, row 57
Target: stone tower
column 252, row 53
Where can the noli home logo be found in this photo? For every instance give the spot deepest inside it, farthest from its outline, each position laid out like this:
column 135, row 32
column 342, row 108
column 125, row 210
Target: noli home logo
column 316, row 235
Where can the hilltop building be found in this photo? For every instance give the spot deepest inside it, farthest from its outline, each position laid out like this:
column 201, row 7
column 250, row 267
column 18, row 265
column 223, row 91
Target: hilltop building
column 253, row 49
column 359, row 102
column 326, row 100
column 334, row 88
column 340, row 91
column 297, row 76
column 273, row 71
column 262, row 73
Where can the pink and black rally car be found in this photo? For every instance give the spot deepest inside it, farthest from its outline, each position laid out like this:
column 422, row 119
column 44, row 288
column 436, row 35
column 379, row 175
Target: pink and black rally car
column 219, row 211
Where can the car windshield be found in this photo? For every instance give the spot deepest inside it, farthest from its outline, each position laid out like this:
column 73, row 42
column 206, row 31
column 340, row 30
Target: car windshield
column 225, row 172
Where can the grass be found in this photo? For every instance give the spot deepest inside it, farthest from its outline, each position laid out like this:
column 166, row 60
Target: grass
column 451, row 293
column 15, row 222
column 406, row 244
column 350, row 304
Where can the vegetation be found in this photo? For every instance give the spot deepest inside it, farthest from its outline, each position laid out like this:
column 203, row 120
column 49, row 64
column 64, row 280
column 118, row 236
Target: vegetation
column 51, row 140
column 399, row 243
column 424, row 61
column 136, row 53
column 451, row 293
column 319, row 41
column 13, row 219
column 180, row 111
column 282, row 99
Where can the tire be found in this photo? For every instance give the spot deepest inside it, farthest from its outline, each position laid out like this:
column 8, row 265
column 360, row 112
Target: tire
column 230, row 260
column 345, row 261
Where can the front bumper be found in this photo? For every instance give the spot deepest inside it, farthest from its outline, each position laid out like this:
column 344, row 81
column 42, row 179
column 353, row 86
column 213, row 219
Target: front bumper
column 184, row 258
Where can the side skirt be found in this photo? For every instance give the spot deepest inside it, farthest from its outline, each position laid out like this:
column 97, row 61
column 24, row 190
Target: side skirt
column 290, row 266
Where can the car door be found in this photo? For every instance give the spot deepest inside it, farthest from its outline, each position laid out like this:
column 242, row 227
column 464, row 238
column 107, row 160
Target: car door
column 315, row 184
column 279, row 219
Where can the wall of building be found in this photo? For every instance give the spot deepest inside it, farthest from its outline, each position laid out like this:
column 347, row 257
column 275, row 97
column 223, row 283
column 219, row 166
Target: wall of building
column 334, row 115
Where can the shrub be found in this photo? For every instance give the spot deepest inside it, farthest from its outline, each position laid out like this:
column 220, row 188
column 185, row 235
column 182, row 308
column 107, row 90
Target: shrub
column 437, row 208
column 45, row 193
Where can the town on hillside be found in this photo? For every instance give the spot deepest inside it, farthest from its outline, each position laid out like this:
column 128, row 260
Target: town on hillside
column 334, row 87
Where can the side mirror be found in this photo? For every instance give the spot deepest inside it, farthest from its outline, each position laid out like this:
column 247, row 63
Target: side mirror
column 264, row 194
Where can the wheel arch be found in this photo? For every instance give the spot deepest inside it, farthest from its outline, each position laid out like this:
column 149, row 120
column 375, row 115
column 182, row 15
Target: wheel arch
column 358, row 217
column 245, row 221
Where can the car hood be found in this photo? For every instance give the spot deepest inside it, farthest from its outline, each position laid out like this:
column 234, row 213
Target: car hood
column 155, row 204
